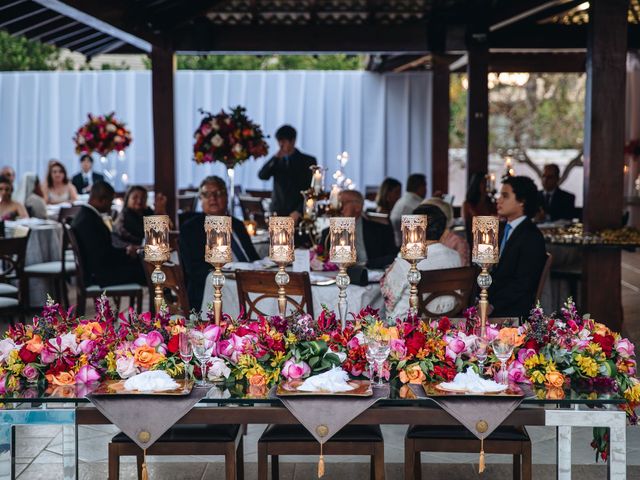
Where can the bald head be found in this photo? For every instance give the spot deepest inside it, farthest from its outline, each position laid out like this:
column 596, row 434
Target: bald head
column 352, row 203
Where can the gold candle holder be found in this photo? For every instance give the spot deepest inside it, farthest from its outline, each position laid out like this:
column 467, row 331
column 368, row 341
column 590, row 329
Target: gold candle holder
column 217, row 252
column 485, row 253
column 414, row 249
column 343, row 254
column 281, row 252
column 157, row 251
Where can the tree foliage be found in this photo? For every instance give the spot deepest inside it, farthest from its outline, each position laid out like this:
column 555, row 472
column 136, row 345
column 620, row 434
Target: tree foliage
column 271, row 62
column 20, row 54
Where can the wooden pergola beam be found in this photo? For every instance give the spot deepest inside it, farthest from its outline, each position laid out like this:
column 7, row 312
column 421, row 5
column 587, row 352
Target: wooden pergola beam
column 440, row 115
column 533, row 62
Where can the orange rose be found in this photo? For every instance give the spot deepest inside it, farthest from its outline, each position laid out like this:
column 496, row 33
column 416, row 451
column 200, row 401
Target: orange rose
column 554, row 380
column 257, row 380
column 510, row 335
column 147, row 357
column 412, row 374
column 601, row 329
column 62, row 379
column 406, row 392
column 35, row 345
column 555, row 393
column 90, row 331
column 257, row 391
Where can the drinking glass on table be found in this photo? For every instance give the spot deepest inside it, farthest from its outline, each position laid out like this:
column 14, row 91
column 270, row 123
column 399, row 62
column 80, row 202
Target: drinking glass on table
column 480, row 346
column 378, row 349
column 503, row 351
column 186, row 352
column 202, row 352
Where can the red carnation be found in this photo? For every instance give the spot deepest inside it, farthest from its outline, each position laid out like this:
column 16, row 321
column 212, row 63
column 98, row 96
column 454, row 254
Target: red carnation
column 415, row 342
column 27, row 356
column 444, row 325
column 606, row 342
column 174, row 344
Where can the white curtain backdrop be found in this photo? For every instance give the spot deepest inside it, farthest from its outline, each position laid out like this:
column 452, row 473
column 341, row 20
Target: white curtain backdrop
column 383, row 121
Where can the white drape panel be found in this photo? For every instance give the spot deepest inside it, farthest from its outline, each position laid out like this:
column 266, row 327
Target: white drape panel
column 383, row 121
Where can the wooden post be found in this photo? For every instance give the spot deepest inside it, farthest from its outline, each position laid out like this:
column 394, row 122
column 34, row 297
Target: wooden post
column 440, row 126
column 477, row 102
column 163, row 67
column 603, row 155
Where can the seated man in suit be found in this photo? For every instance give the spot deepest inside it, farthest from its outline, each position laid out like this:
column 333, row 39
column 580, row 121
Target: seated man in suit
column 557, row 204
column 375, row 244
column 213, row 196
column 104, row 264
column 86, row 177
column 522, row 251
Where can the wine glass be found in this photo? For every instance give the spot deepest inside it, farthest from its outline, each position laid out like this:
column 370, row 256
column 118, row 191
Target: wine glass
column 378, row 348
column 503, row 351
column 201, row 352
column 186, row 352
column 370, row 363
column 480, row 346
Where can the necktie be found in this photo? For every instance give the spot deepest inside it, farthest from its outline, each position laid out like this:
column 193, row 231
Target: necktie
column 547, row 199
column 237, row 250
column 505, row 237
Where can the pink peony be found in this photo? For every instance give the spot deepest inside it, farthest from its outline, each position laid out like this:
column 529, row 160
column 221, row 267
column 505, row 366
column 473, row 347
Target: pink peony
column 455, row 346
column 624, row 348
column 87, row 374
column 30, row 372
column 292, row 370
column 232, row 348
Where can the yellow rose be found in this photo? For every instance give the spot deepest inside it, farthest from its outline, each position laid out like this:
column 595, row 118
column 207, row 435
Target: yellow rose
column 147, row 357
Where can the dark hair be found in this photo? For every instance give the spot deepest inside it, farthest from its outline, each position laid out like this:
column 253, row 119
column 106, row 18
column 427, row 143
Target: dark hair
column 130, row 190
column 286, row 132
column 525, row 191
column 101, row 190
column 55, row 163
column 436, row 220
column 553, row 167
column 4, row 179
column 415, row 181
column 387, row 185
column 86, row 156
column 473, row 191
column 217, row 181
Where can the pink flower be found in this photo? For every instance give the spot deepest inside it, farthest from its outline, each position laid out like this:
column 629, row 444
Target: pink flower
column 492, row 332
column 87, row 346
column 353, row 343
column 517, row 373
column 212, row 335
column 30, row 372
column 525, row 353
column 3, row 389
column 292, row 370
column 152, row 339
column 625, row 348
column 455, row 346
column 399, row 348
column 87, row 374
column 232, row 348
column 126, row 367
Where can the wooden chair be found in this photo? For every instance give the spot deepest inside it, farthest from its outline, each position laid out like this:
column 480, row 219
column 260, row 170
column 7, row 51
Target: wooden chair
column 379, row 217
column 456, row 283
column 259, row 193
column 67, row 213
column 263, row 286
column 296, row 440
column 371, row 192
column 14, row 300
column 177, row 301
column 252, row 207
column 131, row 290
column 187, row 202
column 186, row 440
column 544, row 275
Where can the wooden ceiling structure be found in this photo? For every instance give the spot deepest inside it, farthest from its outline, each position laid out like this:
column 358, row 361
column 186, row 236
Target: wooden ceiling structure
column 475, row 36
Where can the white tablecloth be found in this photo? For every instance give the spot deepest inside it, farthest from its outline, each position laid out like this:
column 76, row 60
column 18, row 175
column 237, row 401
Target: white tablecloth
column 357, row 298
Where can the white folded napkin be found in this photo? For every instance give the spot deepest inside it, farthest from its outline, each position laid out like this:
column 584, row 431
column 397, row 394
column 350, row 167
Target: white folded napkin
column 470, row 381
column 152, row 381
column 335, row 380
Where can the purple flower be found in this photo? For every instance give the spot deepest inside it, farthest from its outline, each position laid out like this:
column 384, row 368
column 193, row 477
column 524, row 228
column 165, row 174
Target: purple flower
column 30, row 372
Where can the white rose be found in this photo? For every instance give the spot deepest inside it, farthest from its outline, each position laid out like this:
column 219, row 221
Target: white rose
column 110, row 127
column 237, row 148
column 6, row 347
column 217, row 368
column 126, row 367
column 217, row 140
column 117, row 139
column 81, row 140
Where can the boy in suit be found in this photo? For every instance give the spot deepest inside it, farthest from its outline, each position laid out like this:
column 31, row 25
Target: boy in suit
column 86, row 177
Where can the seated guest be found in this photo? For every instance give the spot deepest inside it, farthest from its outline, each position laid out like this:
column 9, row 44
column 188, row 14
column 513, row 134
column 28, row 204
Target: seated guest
column 375, row 245
column 522, row 251
column 104, row 264
column 213, row 197
column 388, row 195
column 30, row 194
column 10, row 209
column 557, row 204
column 477, row 202
column 9, row 173
column 394, row 285
column 86, row 177
column 57, row 188
column 416, row 191
column 450, row 239
column 129, row 224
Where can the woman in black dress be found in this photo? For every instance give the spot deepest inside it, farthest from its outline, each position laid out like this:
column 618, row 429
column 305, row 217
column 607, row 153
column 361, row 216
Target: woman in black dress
column 129, row 225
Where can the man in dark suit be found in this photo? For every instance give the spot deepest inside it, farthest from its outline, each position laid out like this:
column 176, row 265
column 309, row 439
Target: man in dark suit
column 522, row 251
column 104, row 264
column 375, row 242
column 87, row 177
column 556, row 204
column 291, row 174
column 213, row 196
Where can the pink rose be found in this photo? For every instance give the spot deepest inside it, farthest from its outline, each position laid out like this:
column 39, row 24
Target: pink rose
column 492, row 332
column 455, row 346
column 625, row 348
column 152, row 339
column 525, row 353
column 87, row 346
column 399, row 348
column 353, row 343
column 126, row 367
column 232, row 348
column 30, row 372
column 87, row 374
column 292, row 370
column 212, row 335
column 517, row 373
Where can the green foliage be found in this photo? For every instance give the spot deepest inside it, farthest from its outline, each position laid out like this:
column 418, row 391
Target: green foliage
column 20, row 54
column 269, row 62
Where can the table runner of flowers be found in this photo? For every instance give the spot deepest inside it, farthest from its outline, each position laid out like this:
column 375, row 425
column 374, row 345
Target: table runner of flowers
column 552, row 351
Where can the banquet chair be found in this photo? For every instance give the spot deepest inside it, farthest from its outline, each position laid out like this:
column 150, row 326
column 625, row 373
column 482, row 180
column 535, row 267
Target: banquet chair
column 13, row 252
column 451, row 288
column 296, row 440
column 185, row 440
column 175, row 288
column 259, row 193
column 131, row 290
column 252, row 208
column 255, row 287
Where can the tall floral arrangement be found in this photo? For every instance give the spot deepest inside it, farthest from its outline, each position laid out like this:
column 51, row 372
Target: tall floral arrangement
column 230, row 138
column 102, row 134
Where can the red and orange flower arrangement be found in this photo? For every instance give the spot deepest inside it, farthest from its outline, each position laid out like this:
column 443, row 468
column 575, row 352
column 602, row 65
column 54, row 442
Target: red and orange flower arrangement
column 102, row 134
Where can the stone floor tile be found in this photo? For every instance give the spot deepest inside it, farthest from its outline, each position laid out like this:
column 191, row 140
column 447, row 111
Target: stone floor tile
column 30, row 447
column 37, row 431
column 41, row 471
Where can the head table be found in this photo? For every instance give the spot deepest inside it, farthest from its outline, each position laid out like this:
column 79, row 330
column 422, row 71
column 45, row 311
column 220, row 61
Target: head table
column 238, row 403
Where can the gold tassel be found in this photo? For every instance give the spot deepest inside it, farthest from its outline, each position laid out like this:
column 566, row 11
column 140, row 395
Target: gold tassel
column 145, row 472
column 481, row 463
column 321, row 464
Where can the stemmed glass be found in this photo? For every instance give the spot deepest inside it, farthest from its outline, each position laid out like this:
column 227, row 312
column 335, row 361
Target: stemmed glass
column 480, row 346
column 370, row 363
column 186, row 352
column 201, row 352
column 503, row 351
column 378, row 348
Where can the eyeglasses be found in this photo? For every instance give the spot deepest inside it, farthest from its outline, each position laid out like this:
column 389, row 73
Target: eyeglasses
column 215, row 194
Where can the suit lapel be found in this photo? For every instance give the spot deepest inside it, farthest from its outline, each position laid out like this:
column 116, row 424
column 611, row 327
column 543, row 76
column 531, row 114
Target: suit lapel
column 514, row 236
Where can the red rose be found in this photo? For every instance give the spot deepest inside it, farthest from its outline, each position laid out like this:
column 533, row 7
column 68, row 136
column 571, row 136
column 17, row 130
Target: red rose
column 415, row 343
column 606, row 342
column 531, row 344
column 174, row 344
column 27, row 356
column 444, row 325
column 444, row 372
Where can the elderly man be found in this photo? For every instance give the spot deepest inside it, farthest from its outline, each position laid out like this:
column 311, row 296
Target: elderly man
column 416, row 191
column 9, row 173
column 213, row 196
column 375, row 244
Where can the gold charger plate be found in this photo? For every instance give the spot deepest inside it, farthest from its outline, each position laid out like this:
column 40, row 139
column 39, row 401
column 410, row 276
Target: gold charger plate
column 290, row 389
column 116, row 387
column 434, row 390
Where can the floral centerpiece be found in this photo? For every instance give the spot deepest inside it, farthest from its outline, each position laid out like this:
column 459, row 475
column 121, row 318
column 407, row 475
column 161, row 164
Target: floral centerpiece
column 102, row 134
column 319, row 259
column 230, row 138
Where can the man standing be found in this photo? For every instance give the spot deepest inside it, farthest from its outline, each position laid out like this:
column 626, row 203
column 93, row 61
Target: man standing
column 87, row 177
column 416, row 191
column 557, row 204
column 291, row 174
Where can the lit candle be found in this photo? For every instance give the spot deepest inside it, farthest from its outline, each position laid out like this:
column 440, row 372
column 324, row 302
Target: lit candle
column 251, row 229
column 281, row 235
column 334, row 197
column 485, row 238
column 316, row 181
column 218, row 233
column 414, row 241
column 309, row 207
column 156, row 233
column 343, row 250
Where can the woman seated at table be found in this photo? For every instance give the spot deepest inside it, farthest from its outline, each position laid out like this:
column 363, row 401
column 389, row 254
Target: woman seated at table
column 30, row 194
column 58, row 188
column 394, row 284
column 10, row 209
column 129, row 224
column 388, row 194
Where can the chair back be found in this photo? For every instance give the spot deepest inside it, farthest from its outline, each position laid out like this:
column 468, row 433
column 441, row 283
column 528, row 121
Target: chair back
column 379, row 217
column 452, row 286
column 13, row 253
column 257, row 287
column 67, row 213
column 252, row 207
column 258, row 193
column 371, row 192
column 178, row 303
column 187, row 202
column 77, row 256
column 544, row 275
